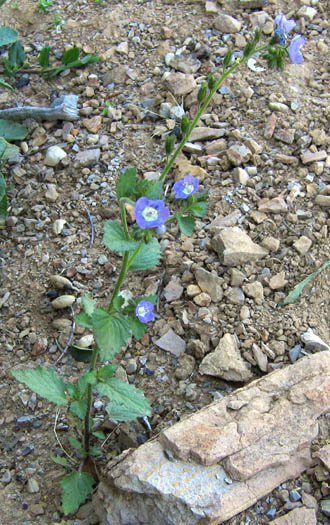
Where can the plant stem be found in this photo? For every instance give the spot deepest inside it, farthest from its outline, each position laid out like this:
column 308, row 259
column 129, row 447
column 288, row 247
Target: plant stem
column 92, row 367
column 202, row 109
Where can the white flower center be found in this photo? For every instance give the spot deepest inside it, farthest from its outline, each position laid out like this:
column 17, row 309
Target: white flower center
column 150, row 214
column 188, row 188
column 142, row 311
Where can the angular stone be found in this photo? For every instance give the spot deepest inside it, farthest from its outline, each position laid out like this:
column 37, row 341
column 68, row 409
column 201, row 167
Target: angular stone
column 235, row 247
column 307, row 158
column 173, row 290
column 299, row 516
column 260, row 357
column 51, row 193
column 210, row 283
column 238, row 154
column 302, row 245
column 278, row 281
column 286, row 159
column 171, row 343
column 226, row 361
column 216, row 146
column 240, row 176
column 324, row 455
column 276, row 205
column 202, row 299
column 227, row 24
column 88, row 157
column 93, row 124
column 323, row 201
column 180, row 84
column 202, row 133
column 254, row 290
column 270, row 126
column 259, row 436
column 285, row 135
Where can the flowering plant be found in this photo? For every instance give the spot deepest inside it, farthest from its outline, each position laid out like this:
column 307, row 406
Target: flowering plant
column 113, row 324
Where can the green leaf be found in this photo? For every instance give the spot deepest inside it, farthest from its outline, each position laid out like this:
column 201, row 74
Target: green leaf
column 88, row 303
column 10, row 130
column 80, row 353
column 44, row 382
column 71, row 55
column 88, row 59
column 76, row 488
column 84, row 320
column 138, row 328
column 155, row 191
column 126, row 183
column 8, row 35
column 60, row 461
column 87, row 379
column 148, row 256
column 126, row 401
column 186, row 224
column 114, row 238
column 73, row 391
column 111, row 332
column 79, row 408
column 295, row 293
column 16, row 55
column 94, row 451
column 106, row 371
column 75, row 443
column 44, row 56
column 118, row 303
column 6, row 85
column 7, row 151
column 99, row 434
column 199, row 208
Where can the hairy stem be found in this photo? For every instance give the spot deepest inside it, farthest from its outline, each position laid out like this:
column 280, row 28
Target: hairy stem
column 87, row 429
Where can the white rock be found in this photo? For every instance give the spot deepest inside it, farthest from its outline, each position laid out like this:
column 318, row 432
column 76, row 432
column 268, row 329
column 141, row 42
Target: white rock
column 227, row 24
column 63, row 301
column 58, row 226
column 54, row 155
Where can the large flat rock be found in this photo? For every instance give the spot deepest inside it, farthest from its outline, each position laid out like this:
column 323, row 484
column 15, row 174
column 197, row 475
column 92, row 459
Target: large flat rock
column 222, row 459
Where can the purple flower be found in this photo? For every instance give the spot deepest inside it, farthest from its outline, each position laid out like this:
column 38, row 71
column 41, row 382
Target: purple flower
column 150, row 214
column 294, row 49
column 283, row 28
column 186, row 187
column 161, row 229
column 144, row 311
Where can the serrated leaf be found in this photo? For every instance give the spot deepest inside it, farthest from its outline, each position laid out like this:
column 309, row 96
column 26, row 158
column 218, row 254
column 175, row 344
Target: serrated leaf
column 106, row 371
column 73, row 391
column 88, row 303
column 148, row 257
column 126, row 183
column 79, row 408
column 7, row 150
column 138, row 328
column 114, row 238
column 297, row 290
column 10, row 130
column 44, row 57
column 111, row 332
column 75, row 443
column 126, row 401
column 89, row 378
column 60, row 461
column 45, row 382
column 186, row 224
column 16, row 55
column 118, row 302
column 84, row 320
column 71, row 55
column 76, row 488
column 8, row 35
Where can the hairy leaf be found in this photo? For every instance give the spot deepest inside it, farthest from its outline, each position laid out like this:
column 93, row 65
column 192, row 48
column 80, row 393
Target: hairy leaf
column 84, row 320
column 148, row 257
column 7, row 150
column 186, row 224
column 114, row 238
column 138, row 328
column 71, row 55
column 126, row 401
column 79, row 408
column 8, row 35
column 76, row 487
column 126, row 183
column 44, row 382
column 44, row 56
column 111, row 332
column 87, row 379
column 10, row 130
column 88, row 303
column 60, row 461
column 16, row 55
column 106, row 371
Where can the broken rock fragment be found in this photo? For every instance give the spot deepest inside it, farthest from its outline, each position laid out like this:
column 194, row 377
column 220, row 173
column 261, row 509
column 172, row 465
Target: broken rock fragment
column 221, row 460
column 235, row 247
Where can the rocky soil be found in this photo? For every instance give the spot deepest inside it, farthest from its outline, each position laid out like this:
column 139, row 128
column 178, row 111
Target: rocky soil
column 262, row 153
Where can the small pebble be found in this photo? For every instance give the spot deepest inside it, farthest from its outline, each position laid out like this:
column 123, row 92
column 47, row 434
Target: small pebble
column 294, row 495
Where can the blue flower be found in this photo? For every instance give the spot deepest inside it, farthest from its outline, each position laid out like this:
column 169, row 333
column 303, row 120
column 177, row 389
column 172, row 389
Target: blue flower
column 150, row 214
column 186, row 187
column 294, row 49
column 283, row 28
column 144, row 311
column 161, row 229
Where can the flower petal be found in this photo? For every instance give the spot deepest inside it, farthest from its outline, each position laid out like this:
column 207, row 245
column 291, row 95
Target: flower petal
column 294, row 49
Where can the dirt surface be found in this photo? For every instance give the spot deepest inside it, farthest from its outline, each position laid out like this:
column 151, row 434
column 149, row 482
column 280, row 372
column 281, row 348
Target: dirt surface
column 133, row 38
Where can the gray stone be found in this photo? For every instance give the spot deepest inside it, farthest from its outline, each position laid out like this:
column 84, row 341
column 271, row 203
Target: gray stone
column 88, row 157
column 254, row 290
column 201, row 133
column 173, row 290
column 302, row 245
column 277, row 106
column 235, row 247
column 238, row 154
column 325, row 507
column 235, row 295
column 313, row 342
column 209, row 283
column 258, row 437
column 240, row 176
column 226, row 361
column 179, row 83
column 276, row 205
column 171, row 343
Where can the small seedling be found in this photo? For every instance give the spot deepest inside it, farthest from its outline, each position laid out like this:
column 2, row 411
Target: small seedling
column 44, row 5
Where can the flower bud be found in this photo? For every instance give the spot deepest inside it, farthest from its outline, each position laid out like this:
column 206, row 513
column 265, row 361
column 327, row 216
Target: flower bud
column 227, row 59
column 211, row 82
column 169, row 144
column 185, row 123
column 202, row 92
